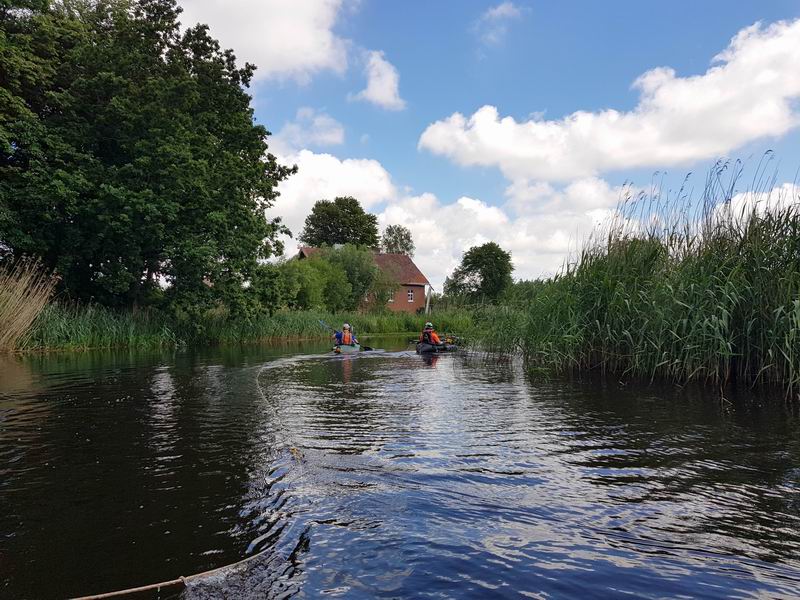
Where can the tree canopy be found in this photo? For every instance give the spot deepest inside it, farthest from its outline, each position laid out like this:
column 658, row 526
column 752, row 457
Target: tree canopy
column 484, row 273
column 341, row 221
column 129, row 155
column 341, row 278
column 397, row 239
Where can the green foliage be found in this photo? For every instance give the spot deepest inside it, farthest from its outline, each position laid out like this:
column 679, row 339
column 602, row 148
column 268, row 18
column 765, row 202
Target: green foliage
column 359, row 269
column 342, row 221
column 334, row 279
column 81, row 327
column 382, row 289
column 484, row 274
column 713, row 300
column 128, row 155
column 397, row 239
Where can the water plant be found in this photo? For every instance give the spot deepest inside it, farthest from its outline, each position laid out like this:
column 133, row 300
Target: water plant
column 84, row 326
column 25, row 289
column 673, row 289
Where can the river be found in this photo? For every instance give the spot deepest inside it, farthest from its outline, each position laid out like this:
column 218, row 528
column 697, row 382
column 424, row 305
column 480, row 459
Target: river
column 386, row 475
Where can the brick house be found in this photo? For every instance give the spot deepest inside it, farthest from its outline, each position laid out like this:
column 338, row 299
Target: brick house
column 411, row 294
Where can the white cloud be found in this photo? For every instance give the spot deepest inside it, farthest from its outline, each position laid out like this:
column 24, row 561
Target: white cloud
column 284, row 39
column 382, row 83
column 309, row 129
column 323, row 176
column 742, row 205
column 492, row 26
column 750, row 92
column 540, row 225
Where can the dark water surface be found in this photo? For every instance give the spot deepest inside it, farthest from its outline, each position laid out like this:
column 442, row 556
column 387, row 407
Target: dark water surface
column 384, row 475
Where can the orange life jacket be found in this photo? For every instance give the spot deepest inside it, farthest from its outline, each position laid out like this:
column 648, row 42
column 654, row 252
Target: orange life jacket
column 347, row 338
column 429, row 336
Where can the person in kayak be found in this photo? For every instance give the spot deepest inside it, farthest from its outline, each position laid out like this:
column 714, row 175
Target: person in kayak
column 345, row 337
column 429, row 336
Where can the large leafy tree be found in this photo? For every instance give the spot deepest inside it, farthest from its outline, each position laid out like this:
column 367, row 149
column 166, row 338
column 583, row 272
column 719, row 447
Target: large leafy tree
column 341, row 221
column 360, row 271
column 397, row 239
column 484, row 273
column 129, row 154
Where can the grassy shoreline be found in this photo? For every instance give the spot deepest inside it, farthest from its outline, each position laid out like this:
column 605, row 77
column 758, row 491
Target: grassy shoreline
column 61, row 327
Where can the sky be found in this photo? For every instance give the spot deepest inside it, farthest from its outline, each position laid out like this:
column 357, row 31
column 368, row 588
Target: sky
column 522, row 123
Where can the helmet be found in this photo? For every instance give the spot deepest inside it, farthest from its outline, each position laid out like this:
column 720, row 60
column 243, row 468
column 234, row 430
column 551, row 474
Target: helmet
column 429, row 324
column 346, row 326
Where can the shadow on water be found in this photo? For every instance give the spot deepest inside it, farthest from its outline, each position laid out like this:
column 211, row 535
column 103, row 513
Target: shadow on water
column 386, row 474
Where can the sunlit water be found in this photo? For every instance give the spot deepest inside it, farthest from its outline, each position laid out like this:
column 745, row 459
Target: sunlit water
column 386, row 475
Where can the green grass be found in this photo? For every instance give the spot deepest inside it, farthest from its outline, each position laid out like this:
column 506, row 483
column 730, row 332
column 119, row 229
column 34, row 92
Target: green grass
column 61, row 327
column 80, row 327
column 713, row 297
column 306, row 324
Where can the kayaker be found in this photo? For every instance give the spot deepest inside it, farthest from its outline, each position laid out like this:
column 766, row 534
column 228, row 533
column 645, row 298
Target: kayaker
column 429, row 336
column 345, row 337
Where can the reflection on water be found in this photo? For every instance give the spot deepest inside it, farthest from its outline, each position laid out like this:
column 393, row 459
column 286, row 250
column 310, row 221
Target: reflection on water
column 386, row 474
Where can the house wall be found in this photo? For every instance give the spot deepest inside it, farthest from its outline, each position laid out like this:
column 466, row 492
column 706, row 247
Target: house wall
column 401, row 303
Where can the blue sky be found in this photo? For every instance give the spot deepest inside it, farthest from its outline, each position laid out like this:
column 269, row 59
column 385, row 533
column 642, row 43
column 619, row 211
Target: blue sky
column 520, row 175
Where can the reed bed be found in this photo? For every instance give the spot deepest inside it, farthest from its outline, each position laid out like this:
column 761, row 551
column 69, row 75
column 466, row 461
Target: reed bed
column 308, row 324
column 79, row 327
column 64, row 326
column 683, row 291
column 25, row 289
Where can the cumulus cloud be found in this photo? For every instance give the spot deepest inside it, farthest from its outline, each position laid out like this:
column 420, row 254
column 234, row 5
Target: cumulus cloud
column 492, row 26
column 383, row 83
column 284, row 39
column 324, row 176
column 750, row 92
column 310, row 128
column 540, row 224
column 742, row 205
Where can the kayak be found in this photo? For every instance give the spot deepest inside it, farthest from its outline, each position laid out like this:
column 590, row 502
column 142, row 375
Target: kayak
column 425, row 348
column 347, row 349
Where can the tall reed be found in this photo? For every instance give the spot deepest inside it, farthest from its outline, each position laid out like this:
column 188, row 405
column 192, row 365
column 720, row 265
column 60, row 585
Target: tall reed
column 673, row 289
column 84, row 326
column 25, row 289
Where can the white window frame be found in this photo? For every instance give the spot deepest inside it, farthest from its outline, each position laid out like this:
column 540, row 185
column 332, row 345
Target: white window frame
column 410, row 296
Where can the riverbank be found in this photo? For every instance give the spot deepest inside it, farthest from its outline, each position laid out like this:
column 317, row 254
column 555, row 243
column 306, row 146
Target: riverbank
column 83, row 327
column 662, row 295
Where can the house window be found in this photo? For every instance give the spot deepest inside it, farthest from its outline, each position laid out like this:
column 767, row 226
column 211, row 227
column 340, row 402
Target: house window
column 410, row 295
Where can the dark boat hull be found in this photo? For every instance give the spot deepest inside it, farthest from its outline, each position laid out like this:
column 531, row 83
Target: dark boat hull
column 425, row 348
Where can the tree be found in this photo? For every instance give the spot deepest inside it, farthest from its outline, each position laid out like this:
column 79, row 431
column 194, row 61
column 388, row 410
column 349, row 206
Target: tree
column 397, row 240
column 315, row 283
column 129, row 155
column 484, row 273
column 359, row 268
column 342, row 221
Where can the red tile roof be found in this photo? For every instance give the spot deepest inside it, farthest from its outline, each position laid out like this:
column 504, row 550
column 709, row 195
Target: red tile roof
column 401, row 268
column 307, row 251
column 398, row 266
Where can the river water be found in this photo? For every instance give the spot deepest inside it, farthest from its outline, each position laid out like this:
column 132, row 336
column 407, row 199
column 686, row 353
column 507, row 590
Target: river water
column 385, row 475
